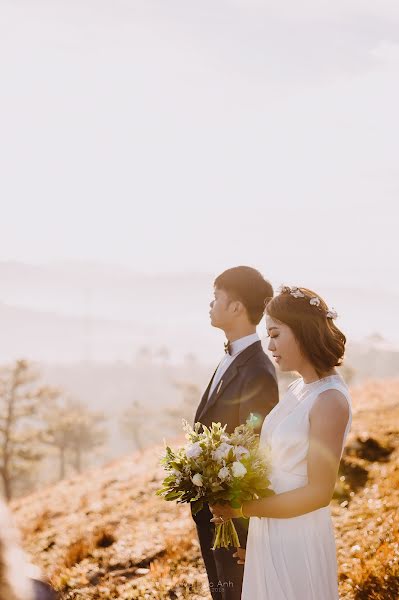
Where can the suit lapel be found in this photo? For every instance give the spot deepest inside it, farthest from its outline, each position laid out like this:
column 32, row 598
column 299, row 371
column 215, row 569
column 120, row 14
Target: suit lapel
column 228, row 376
column 225, row 381
column 204, row 398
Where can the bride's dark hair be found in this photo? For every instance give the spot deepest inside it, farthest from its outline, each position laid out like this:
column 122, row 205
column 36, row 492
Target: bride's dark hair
column 318, row 337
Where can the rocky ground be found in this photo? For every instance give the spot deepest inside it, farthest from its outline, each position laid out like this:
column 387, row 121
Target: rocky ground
column 106, row 535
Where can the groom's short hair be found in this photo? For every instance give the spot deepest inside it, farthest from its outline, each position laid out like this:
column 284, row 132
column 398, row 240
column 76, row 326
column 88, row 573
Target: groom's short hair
column 249, row 286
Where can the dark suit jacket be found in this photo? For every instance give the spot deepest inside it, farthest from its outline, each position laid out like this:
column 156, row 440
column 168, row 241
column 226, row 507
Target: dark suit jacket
column 248, row 386
column 42, row 591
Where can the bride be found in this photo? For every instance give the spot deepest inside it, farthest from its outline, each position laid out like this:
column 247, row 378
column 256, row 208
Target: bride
column 291, row 551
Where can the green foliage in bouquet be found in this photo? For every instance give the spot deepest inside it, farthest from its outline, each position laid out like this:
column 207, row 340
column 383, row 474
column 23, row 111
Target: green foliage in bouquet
column 217, row 467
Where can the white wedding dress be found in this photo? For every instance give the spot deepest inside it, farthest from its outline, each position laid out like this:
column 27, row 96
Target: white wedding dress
column 295, row 558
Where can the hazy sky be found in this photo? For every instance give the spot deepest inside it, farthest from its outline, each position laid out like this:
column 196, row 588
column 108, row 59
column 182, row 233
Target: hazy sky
column 174, row 135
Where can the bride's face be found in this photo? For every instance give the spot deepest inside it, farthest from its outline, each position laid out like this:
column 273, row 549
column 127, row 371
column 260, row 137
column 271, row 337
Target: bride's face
column 283, row 345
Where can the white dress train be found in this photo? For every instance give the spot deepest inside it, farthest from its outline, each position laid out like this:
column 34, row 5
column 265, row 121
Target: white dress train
column 295, row 558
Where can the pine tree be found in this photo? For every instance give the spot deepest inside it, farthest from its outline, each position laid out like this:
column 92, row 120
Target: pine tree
column 87, row 434
column 21, row 401
column 59, row 424
column 74, row 431
column 133, row 424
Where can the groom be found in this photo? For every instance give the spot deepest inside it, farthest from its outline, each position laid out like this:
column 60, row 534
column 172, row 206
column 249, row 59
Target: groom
column 244, row 382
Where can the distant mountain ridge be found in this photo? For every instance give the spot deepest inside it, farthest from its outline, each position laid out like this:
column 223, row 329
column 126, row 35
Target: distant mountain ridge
column 67, row 312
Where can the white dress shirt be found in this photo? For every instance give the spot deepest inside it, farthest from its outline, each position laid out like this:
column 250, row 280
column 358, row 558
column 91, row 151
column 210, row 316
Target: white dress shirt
column 236, row 348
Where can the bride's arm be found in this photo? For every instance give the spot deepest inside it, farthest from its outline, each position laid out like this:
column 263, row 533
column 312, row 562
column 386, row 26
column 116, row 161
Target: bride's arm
column 328, row 419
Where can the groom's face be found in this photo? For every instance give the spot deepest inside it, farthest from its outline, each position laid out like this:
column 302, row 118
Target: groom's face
column 222, row 310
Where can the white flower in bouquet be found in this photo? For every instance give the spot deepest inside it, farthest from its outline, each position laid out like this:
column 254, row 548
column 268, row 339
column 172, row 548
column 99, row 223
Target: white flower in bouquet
column 238, row 469
column 193, row 450
column 240, row 451
column 197, row 480
column 224, row 473
column 221, row 452
column 177, row 474
column 217, row 467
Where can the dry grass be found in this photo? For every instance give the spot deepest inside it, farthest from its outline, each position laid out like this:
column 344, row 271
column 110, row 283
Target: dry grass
column 367, row 528
column 106, row 535
column 77, row 551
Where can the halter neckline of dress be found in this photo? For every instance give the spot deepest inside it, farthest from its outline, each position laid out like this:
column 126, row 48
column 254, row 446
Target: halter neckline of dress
column 327, row 378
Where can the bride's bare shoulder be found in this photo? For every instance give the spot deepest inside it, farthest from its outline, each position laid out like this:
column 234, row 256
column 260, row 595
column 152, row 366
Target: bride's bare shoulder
column 331, row 403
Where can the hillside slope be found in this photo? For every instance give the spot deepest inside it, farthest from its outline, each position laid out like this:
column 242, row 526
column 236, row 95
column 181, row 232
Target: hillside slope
column 106, row 535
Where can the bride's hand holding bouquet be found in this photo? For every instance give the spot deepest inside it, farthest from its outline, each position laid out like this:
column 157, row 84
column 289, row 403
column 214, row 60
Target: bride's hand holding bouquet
column 220, row 469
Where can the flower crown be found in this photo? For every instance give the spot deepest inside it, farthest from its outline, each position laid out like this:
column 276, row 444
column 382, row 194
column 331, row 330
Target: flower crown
column 296, row 292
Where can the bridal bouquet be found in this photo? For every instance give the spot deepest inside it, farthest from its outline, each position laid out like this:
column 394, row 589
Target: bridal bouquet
column 217, row 467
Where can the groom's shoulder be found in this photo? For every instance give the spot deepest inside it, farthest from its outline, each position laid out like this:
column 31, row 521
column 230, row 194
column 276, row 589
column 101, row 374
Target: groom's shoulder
column 259, row 363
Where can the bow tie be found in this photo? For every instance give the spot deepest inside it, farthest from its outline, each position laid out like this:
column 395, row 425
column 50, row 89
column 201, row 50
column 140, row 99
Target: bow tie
column 227, row 347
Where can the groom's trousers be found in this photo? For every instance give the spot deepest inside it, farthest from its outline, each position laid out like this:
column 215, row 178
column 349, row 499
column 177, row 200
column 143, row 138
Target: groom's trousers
column 224, row 574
